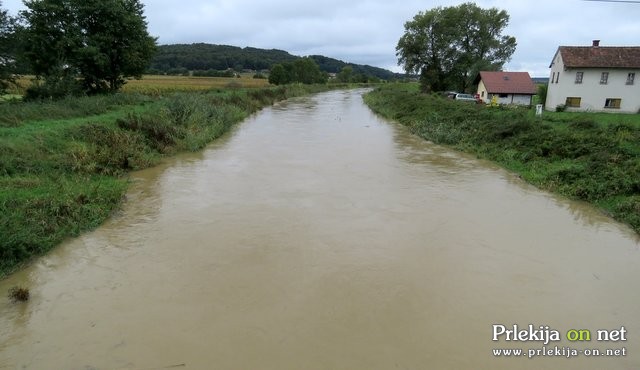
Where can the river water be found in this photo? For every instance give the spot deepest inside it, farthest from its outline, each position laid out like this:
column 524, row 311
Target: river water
column 318, row 236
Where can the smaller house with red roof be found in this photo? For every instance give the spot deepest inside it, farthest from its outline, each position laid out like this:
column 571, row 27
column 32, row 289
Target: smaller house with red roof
column 595, row 78
column 507, row 87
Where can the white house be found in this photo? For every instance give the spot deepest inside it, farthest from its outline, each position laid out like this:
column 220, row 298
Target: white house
column 507, row 87
column 595, row 78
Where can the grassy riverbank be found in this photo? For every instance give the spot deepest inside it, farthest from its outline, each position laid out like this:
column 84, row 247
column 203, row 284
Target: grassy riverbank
column 581, row 156
column 64, row 164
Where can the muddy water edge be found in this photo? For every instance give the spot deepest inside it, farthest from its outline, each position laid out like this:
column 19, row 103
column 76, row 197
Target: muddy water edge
column 319, row 236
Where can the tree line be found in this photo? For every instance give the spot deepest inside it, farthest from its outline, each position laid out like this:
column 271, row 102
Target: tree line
column 180, row 59
column 8, row 49
column 304, row 70
column 201, row 56
column 307, row 71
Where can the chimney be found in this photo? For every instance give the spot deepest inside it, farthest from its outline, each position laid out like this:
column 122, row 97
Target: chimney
column 596, row 43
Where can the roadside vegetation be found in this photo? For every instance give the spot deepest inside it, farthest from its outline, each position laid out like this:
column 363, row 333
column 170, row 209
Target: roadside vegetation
column 64, row 164
column 595, row 158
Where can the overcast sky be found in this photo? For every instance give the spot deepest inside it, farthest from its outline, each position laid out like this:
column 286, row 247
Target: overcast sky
column 367, row 31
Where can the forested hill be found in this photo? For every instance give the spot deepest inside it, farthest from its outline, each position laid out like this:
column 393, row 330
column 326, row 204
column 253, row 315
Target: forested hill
column 331, row 65
column 200, row 57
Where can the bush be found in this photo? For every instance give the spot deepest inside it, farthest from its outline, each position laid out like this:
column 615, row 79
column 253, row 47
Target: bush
column 561, row 108
column 53, row 88
column 159, row 132
column 503, row 130
column 583, row 123
column 181, row 107
column 542, row 93
column 107, row 150
column 213, row 73
column 630, row 208
column 19, row 294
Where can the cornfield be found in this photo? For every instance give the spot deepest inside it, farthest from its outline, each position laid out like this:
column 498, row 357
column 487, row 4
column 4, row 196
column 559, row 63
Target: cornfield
column 152, row 85
column 157, row 85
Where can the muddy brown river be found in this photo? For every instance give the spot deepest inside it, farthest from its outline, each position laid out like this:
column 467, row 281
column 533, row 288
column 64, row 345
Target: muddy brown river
column 318, row 236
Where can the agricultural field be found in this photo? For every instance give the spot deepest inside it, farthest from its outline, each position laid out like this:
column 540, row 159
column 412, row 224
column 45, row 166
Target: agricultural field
column 157, row 85
column 161, row 84
column 16, row 92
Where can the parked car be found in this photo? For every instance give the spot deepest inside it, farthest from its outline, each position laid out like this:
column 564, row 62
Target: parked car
column 450, row 94
column 466, row 97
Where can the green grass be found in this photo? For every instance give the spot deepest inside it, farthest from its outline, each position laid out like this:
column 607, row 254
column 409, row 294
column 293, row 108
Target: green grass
column 10, row 97
column 39, row 211
column 601, row 118
column 64, row 164
column 16, row 113
column 595, row 158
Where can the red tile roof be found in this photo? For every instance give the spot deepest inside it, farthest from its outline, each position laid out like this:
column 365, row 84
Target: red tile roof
column 600, row 57
column 507, row 83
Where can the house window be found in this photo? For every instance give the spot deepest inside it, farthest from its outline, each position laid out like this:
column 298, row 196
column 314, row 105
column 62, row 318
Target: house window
column 631, row 78
column 604, row 78
column 612, row 103
column 503, row 96
column 553, row 77
column 573, row 102
column 579, row 76
column 483, row 93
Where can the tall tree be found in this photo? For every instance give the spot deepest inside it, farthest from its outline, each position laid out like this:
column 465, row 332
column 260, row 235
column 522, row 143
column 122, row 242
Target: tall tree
column 448, row 46
column 304, row 70
column 51, row 38
column 278, row 75
column 101, row 41
column 345, row 75
column 7, row 50
column 307, row 71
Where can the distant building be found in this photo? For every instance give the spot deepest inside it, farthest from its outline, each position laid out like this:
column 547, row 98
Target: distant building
column 595, row 78
column 508, row 87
